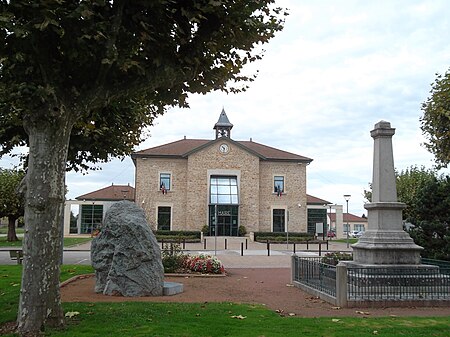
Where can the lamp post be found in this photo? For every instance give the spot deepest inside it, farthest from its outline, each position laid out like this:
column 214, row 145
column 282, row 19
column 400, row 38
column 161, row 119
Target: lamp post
column 329, row 227
column 347, row 198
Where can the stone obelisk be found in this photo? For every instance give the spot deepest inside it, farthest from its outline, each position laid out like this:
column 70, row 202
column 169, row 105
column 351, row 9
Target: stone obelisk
column 385, row 242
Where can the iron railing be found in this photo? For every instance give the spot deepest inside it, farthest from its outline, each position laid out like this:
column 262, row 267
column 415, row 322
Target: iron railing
column 429, row 281
column 312, row 272
column 398, row 283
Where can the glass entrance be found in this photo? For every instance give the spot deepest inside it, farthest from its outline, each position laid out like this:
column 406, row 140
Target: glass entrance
column 227, row 220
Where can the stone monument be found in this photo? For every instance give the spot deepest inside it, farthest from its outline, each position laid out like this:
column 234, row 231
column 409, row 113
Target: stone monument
column 385, row 242
column 125, row 255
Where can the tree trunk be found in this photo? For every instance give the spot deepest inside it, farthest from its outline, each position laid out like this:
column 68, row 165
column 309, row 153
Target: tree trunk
column 12, row 229
column 40, row 302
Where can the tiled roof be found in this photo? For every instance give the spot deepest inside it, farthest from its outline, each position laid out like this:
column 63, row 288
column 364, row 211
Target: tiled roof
column 314, row 200
column 348, row 217
column 182, row 147
column 110, row 193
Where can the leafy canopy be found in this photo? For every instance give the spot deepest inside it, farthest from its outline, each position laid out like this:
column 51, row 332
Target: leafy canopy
column 435, row 122
column 113, row 66
column 11, row 204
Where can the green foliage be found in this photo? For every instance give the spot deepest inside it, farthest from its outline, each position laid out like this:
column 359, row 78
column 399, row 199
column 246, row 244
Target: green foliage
column 172, row 258
column 335, row 257
column 431, row 219
column 435, row 122
column 409, row 184
column 205, row 230
column 111, row 67
column 178, row 236
column 281, row 237
column 11, row 203
column 242, row 230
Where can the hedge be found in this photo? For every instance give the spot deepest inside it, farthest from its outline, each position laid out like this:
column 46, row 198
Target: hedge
column 178, row 236
column 281, row 237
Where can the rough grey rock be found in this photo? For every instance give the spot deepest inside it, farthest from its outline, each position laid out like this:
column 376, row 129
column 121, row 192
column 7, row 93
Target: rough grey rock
column 125, row 255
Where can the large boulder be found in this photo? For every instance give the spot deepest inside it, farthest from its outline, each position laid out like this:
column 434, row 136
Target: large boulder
column 125, row 255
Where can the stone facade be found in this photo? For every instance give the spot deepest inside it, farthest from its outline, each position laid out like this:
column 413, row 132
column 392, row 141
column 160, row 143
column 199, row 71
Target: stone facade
column 191, row 164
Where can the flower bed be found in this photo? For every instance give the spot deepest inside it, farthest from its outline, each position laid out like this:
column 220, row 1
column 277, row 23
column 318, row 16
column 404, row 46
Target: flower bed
column 203, row 263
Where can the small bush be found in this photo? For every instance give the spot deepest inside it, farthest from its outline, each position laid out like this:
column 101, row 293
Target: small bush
column 172, row 258
column 281, row 237
column 242, row 230
column 205, row 230
column 205, row 264
column 334, row 258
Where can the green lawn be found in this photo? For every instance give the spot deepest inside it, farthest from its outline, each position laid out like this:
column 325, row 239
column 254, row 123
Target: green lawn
column 67, row 242
column 4, row 230
column 350, row 240
column 208, row 319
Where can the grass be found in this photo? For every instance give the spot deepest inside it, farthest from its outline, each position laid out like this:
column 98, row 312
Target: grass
column 67, row 242
column 350, row 240
column 10, row 277
column 208, row 319
column 4, row 230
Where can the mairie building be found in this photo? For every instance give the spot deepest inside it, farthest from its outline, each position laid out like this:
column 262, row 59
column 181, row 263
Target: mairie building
column 222, row 183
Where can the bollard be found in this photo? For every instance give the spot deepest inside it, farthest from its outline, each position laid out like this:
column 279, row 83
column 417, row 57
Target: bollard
column 307, row 244
column 225, row 244
column 242, row 249
column 184, row 243
column 320, row 248
column 294, row 247
column 204, row 243
column 327, row 245
column 268, row 248
column 246, row 244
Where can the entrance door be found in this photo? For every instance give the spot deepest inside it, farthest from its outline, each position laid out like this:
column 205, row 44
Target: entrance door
column 224, row 225
column 227, row 220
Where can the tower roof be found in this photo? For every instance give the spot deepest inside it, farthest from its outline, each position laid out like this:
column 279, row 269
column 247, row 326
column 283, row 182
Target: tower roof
column 223, row 121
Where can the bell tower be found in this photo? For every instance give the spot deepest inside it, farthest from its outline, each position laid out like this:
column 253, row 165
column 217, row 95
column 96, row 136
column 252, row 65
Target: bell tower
column 223, row 126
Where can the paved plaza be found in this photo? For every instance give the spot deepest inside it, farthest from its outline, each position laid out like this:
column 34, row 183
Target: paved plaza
column 234, row 252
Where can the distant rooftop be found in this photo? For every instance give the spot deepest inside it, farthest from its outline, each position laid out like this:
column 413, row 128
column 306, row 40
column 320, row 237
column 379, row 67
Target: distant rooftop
column 110, row 193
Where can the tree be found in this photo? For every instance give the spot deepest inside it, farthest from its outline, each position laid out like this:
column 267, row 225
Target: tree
column 435, row 122
column 79, row 80
column 11, row 204
column 410, row 182
column 431, row 218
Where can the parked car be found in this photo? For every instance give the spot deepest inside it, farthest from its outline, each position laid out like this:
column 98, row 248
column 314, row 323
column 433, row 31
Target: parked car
column 331, row 234
column 355, row 234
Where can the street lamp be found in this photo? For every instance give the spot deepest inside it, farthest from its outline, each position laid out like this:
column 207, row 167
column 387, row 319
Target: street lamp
column 347, row 198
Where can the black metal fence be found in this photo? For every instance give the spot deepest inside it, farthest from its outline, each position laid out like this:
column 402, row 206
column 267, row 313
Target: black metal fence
column 315, row 274
column 398, row 284
column 429, row 281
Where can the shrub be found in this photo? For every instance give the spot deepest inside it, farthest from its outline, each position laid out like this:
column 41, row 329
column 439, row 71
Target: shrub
column 242, row 230
column 205, row 230
column 172, row 258
column 205, row 264
column 177, row 236
column 334, row 258
column 281, row 237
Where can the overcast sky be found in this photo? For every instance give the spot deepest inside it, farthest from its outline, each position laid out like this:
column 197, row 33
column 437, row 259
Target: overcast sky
column 336, row 69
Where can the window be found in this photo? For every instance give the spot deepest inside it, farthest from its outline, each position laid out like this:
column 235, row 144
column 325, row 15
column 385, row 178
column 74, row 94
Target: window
column 164, row 181
column 346, row 228
column 279, row 220
column 223, row 190
column 91, row 218
column 164, row 218
column 278, row 184
column 359, row 227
